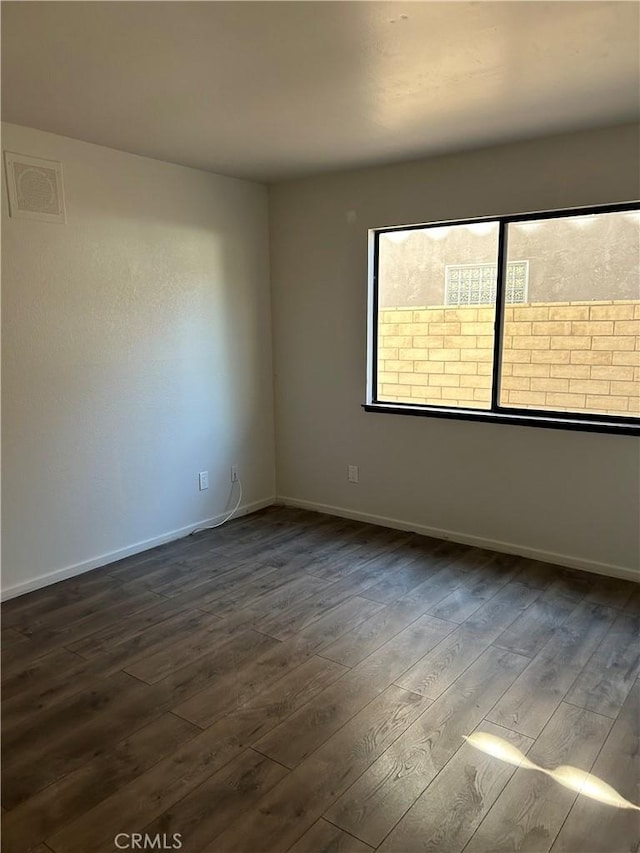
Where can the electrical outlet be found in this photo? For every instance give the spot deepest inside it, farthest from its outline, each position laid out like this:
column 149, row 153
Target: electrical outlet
column 234, row 473
column 353, row 474
column 203, row 480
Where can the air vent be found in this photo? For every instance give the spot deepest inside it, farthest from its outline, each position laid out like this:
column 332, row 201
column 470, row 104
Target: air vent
column 35, row 188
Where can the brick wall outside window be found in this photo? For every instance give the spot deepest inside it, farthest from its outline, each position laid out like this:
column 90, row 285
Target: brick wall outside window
column 567, row 356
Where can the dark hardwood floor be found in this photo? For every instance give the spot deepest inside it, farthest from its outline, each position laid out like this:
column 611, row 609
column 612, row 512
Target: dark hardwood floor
column 298, row 682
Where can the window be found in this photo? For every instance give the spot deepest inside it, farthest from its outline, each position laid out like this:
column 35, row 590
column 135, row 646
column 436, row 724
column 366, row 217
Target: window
column 528, row 319
column 475, row 284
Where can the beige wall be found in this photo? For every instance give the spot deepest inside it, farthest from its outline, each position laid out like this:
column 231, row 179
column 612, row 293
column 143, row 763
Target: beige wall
column 578, row 356
column 136, row 353
column 570, row 496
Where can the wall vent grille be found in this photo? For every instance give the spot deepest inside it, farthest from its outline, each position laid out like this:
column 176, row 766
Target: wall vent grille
column 35, row 188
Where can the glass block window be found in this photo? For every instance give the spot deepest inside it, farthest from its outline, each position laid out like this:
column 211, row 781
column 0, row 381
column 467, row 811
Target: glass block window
column 475, row 284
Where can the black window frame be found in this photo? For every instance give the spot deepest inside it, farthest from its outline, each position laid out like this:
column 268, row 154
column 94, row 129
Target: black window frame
column 584, row 421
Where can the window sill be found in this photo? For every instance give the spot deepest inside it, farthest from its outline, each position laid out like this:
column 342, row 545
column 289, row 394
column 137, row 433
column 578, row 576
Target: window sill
column 519, row 419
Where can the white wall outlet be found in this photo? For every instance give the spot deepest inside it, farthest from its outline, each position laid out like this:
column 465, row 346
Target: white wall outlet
column 353, row 474
column 203, row 480
column 234, row 473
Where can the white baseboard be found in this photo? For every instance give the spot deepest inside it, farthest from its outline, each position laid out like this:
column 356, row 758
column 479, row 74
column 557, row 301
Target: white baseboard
column 130, row 550
column 468, row 539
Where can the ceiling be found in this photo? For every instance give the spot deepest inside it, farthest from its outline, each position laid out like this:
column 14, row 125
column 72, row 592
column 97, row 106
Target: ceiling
column 272, row 90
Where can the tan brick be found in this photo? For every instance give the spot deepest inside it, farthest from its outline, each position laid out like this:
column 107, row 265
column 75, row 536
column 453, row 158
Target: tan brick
column 616, row 371
column 636, row 311
column 467, row 367
column 394, row 389
column 462, row 315
column 486, row 315
column 481, row 394
column 445, row 328
column 571, row 342
column 396, row 316
column 589, row 386
column 476, row 355
column 517, row 328
column 626, row 358
column 476, row 328
column 430, row 315
column 634, row 404
column 420, row 391
column 552, row 328
column 554, row 356
column 387, row 329
column 460, row 340
column 387, row 352
column 516, row 356
column 630, row 389
column 445, row 354
column 591, row 357
column 515, row 383
column 571, row 312
column 566, row 401
column 507, row 370
column 397, row 341
column 611, row 312
column 536, row 312
column 450, row 393
column 452, row 380
column 486, row 368
column 471, row 381
column 388, row 378
column 414, row 329
column 627, row 327
column 592, row 328
column 615, row 342
column 530, row 369
column 527, row 398
column 486, row 342
column 429, row 367
column 395, row 366
column 531, row 342
column 508, row 315
column 426, row 341
column 608, row 403
column 549, row 384
column 419, row 354
column 413, row 379
column 570, row 371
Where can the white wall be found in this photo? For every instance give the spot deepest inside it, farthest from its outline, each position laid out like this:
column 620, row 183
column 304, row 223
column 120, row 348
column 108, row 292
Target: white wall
column 566, row 496
column 136, row 353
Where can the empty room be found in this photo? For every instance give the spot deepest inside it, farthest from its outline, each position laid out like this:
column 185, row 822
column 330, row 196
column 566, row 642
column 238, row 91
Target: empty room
column 321, row 426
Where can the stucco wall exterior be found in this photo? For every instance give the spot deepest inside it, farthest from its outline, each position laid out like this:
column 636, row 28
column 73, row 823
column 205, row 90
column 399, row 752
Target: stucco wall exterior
column 591, row 258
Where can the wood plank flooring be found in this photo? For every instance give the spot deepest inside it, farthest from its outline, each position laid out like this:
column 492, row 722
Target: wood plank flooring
column 297, row 682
